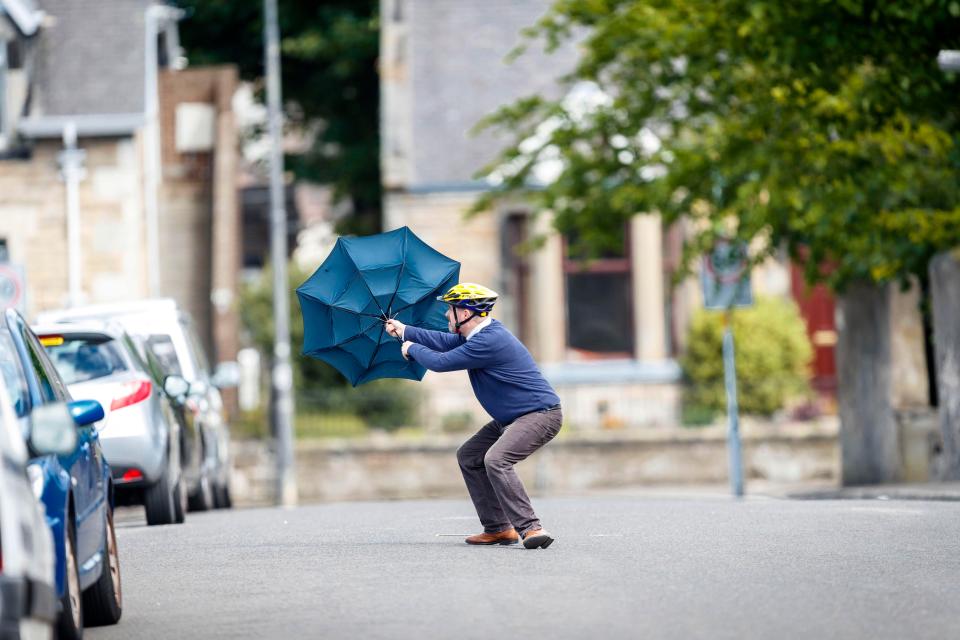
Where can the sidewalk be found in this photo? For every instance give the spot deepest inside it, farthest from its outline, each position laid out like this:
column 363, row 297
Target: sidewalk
column 947, row 491
column 754, row 489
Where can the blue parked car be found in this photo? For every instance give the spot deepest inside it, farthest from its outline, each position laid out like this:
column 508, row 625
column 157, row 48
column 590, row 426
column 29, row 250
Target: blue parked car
column 76, row 489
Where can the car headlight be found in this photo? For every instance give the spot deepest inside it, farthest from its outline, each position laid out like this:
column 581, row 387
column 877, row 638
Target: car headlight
column 35, row 475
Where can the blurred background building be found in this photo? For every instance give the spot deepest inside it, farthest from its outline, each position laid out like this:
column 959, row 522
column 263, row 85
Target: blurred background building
column 126, row 173
column 607, row 333
column 151, row 150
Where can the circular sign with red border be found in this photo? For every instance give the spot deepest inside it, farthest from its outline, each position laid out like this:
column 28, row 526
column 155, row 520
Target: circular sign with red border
column 11, row 287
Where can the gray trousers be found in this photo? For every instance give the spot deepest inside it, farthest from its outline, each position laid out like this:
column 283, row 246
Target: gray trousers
column 487, row 460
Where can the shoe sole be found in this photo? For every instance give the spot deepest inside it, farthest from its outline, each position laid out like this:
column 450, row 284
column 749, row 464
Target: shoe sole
column 495, row 542
column 538, row 542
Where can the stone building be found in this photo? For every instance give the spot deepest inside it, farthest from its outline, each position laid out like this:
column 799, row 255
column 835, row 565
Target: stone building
column 605, row 336
column 154, row 150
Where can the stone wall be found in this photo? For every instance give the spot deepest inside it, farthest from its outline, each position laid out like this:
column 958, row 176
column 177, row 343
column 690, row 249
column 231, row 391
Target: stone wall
column 33, row 221
column 387, row 468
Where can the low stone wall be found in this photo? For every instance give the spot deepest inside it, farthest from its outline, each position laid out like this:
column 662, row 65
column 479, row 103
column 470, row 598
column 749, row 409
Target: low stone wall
column 383, row 467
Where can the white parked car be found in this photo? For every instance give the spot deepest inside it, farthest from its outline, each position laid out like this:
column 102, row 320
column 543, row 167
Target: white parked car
column 167, row 332
column 28, row 590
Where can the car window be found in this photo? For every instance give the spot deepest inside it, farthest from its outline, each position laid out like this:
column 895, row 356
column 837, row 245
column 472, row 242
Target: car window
column 85, row 357
column 134, row 352
column 145, row 358
column 51, row 386
column 199, row 355
column 13, row 374
column 156, row 368
column 46, row 385
column 161, row 345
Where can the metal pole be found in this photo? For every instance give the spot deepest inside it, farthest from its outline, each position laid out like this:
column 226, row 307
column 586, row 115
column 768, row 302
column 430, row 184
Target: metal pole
column 282, row 375
column 71, row 166
column 151, row 150
column 733, row 432
column 5, row 118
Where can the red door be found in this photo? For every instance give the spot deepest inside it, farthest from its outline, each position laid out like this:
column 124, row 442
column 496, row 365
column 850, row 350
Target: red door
column 816, row 307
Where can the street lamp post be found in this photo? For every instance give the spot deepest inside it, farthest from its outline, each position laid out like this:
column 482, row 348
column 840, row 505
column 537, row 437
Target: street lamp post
column 72, row 171
column 282, row 374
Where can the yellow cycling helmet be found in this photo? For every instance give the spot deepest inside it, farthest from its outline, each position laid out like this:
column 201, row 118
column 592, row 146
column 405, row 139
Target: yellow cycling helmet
column 475, row 297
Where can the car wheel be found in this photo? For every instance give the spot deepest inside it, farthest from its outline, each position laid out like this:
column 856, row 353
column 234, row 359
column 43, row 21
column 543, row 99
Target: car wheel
column 180, row 502
column 70, row 622
column 103, row 601
column 159, row 502
column 222, row 497
column 227, row 498
column 202, row 497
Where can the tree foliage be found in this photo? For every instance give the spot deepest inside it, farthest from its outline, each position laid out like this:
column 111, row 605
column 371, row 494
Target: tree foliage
column 331, row 88
column 820, row 125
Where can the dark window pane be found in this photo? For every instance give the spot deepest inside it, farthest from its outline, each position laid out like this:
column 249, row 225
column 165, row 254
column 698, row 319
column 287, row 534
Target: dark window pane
column 46, row 384
column 611, row 247
column 162, row 347
column 598, row 312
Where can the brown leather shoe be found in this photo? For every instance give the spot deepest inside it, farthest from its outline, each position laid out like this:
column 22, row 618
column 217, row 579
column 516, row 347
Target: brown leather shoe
column 508, row 536
column 537, row 539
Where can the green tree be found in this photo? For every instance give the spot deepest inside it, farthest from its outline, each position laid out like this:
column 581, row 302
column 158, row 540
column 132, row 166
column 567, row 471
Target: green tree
column 330, row 84
column 824, row 127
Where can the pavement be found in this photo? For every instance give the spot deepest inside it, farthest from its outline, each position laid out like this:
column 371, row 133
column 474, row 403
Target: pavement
column 949, row 491
column 693, row 565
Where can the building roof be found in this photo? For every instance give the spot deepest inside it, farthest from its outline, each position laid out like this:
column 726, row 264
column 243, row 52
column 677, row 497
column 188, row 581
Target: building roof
column 458, row 75
column 92, row 57
column 24, row 14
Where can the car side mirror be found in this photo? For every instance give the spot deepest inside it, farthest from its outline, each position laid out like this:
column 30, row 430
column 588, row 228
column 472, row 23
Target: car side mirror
column 226, row 376
column 85, row 412
column 53, row 430
column 199, row 388
column 175, row 386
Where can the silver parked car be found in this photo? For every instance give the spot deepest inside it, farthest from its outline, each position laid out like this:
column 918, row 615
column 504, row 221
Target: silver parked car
column 141, row 434
column 28, row 589
column 166, row 331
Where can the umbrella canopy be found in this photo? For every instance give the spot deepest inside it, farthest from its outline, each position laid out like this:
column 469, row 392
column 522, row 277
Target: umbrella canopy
column 361, row 284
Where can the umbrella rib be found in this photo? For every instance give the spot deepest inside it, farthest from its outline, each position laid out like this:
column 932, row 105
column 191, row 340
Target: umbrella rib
column 334, row 306
column 403, row 265
column 424, row 296
column 377, row 349
column 365, row 284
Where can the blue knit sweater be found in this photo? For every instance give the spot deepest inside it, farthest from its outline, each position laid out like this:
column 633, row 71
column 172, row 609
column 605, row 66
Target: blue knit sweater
column 504, row 376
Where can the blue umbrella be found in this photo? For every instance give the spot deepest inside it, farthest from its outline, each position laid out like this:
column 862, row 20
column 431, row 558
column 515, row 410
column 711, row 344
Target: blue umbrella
column 361, row 284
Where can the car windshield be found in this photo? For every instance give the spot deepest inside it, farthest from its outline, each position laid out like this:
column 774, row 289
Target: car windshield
column 83, row 358
column 163, row 348
column 12, row 373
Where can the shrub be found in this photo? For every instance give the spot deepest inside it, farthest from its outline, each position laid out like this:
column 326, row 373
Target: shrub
column 773, row 355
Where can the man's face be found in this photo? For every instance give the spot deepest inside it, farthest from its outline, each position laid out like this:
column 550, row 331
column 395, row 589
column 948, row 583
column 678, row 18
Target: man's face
column 454, row 315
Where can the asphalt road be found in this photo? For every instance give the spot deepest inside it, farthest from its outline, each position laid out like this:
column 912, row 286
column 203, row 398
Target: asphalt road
column 622, row 567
